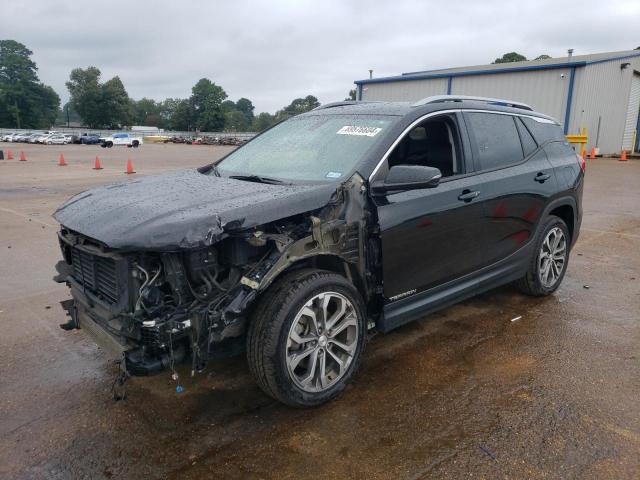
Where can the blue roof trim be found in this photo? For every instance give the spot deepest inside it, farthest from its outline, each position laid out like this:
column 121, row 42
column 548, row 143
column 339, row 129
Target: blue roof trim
column 465, row 73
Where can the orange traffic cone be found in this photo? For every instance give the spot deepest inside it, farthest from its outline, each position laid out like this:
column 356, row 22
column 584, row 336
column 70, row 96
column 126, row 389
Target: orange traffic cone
column 97, row 166
column 23, row 158
column 129, row 167
column 9, row 155
column 61, row 162
column 592, row 155
column 623, row 156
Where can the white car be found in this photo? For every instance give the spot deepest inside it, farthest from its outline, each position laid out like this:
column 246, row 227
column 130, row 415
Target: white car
column 8, row 137
column 55, row 139
column 36, row 137
column 121, row 139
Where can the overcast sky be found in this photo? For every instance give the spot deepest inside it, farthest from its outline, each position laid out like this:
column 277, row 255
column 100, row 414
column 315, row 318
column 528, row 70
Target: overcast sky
column 272, row 52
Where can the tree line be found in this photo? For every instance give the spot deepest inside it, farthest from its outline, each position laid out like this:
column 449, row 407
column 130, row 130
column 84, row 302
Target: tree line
column 25, row 102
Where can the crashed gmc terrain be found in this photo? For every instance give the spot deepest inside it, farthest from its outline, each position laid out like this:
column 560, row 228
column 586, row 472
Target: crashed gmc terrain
column 350, row 218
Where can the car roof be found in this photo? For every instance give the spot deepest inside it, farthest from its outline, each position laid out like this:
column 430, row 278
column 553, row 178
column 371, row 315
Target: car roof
column 424, row 106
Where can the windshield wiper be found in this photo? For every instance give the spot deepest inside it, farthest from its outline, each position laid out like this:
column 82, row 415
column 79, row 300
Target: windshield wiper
column 259, row 179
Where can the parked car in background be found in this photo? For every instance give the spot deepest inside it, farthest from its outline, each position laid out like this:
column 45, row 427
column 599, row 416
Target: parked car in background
column 55, row 139
column 21, row 137
column 36, row 137
column 126, row 139
column 8, row 137
column 71, row 138
column 89, row 139
column 350, row 217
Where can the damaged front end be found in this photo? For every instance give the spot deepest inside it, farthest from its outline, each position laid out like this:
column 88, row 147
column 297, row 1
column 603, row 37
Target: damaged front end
column 158, row 308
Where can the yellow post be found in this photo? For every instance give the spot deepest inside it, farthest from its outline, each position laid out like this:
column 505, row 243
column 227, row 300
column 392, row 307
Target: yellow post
column 633, row 142
column 581, row 140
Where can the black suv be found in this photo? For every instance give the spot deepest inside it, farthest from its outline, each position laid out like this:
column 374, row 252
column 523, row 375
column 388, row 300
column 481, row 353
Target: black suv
column 349, row 218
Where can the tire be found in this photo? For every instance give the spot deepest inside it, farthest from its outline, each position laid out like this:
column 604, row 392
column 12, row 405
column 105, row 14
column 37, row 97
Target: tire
column 109, row 144
column 103, row 145
column 135, row 144
column 278, row 318
column 536, row 283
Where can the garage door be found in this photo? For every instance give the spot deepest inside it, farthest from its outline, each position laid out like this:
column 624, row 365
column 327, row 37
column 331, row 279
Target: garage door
column 632, row 112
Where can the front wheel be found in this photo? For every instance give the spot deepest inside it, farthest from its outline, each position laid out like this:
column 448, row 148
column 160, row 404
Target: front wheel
column 549, row 260
column 109, row 144
column 306, row 337
column 135, row 144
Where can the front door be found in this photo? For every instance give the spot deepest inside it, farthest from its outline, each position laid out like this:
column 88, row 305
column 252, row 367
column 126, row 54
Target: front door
column 434, row 235
column 430, row 236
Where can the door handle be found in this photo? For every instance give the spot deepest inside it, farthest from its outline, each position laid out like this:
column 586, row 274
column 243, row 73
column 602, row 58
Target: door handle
column 541, row 177
column 468, row 195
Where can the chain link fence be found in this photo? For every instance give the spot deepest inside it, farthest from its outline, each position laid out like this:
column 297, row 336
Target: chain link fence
column 137, row 133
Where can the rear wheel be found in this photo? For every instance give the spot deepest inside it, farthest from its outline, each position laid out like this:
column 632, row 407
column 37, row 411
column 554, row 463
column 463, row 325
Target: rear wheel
column 109, row 144
column 549, row 260
column 135, row 144
column 306, row 337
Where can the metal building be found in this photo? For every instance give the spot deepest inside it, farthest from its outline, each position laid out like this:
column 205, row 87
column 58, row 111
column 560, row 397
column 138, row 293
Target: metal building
column 600, row 92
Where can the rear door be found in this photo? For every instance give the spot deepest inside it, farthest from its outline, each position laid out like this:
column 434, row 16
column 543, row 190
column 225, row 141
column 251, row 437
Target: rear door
column 517, row 180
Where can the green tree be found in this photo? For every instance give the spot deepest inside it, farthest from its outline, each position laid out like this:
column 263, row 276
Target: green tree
column 24, row 101
column 98, row 104
column 235, row 121
column 206, row 99
column 228, row 106
column 67, row 115
column 352, row 95
column 146, row 111
column 510, row 57
column 86, row 95
column 115, row 103
column 297, row 106
column 49, row 106
column 542, row 57
column 183, row 116
column 245, row 106
column 263, row 121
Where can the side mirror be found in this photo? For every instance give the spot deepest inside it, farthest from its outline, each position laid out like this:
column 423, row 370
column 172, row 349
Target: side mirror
column 408, row 177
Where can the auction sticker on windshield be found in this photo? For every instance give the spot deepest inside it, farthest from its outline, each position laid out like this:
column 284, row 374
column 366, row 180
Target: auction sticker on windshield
column 354, row 130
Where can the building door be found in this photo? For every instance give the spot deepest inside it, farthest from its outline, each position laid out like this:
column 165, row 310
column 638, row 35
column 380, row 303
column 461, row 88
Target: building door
column 633, row 110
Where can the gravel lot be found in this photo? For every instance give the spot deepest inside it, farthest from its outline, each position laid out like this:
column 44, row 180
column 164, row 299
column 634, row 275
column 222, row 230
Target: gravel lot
column 466, row 392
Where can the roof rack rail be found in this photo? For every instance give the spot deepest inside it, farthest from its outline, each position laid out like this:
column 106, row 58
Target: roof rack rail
column 336, row 104
column 462, row 98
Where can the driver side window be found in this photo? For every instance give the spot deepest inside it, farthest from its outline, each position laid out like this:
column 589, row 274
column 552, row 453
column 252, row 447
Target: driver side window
column 432, row 143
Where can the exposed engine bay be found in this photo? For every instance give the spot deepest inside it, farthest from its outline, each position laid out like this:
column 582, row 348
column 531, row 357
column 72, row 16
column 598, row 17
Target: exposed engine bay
column 157, row 308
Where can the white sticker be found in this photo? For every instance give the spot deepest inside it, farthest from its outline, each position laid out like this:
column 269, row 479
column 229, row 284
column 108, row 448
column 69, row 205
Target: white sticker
column 333, row 174
column 354, row 130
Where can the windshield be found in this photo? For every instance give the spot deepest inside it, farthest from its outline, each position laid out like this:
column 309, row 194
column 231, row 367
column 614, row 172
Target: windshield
column 310, row 148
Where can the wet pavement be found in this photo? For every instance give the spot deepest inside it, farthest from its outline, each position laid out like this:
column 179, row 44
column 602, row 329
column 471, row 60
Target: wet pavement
column 469, row 392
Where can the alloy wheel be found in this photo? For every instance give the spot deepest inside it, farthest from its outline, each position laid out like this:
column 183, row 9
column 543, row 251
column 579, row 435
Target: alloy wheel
column 322, row 341
column 552, row 257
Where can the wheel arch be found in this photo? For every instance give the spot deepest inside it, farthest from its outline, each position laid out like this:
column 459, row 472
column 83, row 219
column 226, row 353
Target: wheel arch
column 566, row 209
column 324, row 261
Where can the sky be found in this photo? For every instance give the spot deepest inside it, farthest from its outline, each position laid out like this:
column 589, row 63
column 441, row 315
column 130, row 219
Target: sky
column 272, row 52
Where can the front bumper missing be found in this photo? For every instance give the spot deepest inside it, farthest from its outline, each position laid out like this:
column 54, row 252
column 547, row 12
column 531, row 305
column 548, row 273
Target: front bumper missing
column 138, row 361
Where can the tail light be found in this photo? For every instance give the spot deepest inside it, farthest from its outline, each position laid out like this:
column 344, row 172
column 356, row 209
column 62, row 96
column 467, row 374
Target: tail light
column 581, row 161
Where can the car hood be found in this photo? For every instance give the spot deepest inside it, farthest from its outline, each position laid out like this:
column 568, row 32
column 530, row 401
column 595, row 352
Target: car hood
column 184, row 209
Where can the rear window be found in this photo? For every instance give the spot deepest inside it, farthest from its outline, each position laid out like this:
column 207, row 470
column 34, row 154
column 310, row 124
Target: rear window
column 528, row 143
column 496, row 138
column 543, row 130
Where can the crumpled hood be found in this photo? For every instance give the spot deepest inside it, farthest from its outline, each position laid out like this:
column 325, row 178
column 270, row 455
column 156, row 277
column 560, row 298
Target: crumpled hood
column 183, row 209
